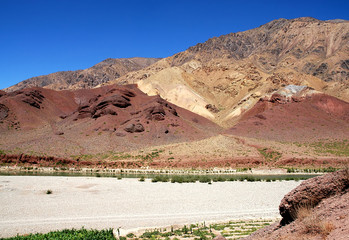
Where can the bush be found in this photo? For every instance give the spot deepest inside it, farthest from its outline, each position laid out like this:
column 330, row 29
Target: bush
column 130, row 235
column 204, row 179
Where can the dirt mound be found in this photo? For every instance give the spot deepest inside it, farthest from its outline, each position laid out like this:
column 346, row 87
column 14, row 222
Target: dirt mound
column 307, row 115
column 317, row 209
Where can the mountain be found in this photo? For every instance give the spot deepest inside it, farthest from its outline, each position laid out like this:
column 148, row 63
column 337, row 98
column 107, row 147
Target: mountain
column 102, row 72
column 272, row 96
column 233, row 71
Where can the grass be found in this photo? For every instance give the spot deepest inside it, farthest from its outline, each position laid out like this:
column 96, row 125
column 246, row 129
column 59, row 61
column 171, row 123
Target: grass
column 325, row 147
column 311, row 223
column 69, row 235
column 221, row 178
column 337, row 148
column 232, row 230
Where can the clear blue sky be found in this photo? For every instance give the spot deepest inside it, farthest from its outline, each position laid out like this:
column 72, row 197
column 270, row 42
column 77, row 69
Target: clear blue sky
column 43, row 36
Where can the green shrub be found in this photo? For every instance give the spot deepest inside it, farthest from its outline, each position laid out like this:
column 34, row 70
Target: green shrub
column 204, row 179
column 130, row 235
column 142, row 179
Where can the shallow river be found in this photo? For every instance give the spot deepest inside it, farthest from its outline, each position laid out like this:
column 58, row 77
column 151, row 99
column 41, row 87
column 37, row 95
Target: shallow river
column 110, row 203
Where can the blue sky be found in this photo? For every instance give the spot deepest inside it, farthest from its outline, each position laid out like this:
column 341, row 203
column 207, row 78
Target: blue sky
column 39, row 37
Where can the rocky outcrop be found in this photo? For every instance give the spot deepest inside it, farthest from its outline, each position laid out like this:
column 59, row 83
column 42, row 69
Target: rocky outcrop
column 316, row 209
column 3, row 112
column 34, row 98
column 212, row 108
column 105, row 105
column 290, row 93
column 312, row 192
column 131, row 128
column 157, row 111
column 2, row 93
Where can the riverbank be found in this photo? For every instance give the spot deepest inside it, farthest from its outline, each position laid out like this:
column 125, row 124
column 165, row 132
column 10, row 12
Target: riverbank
column 173, row 176
column 149, row 171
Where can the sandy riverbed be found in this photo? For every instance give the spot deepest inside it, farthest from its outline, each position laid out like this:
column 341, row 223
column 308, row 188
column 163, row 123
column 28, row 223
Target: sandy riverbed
column 110, row 203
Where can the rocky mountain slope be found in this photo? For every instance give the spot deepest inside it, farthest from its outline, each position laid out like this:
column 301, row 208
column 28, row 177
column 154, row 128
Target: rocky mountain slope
column 102, row 72
column 214, row 77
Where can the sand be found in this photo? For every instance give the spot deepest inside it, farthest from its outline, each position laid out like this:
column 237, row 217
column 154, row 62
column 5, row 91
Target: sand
column 110, row 203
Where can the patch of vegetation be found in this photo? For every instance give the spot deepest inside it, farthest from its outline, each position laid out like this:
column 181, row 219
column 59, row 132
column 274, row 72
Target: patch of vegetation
column 49, row 191
column 130, row 235
column 69, row 234
column 311, row 170
column 118, row 156
column 161, row 178
column 311, row 223
column 232, row 229
column 270, row 155
column 337, row 148
column 223, row 178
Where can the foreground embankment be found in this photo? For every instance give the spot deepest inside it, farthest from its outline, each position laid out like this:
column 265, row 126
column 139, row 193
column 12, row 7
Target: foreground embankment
column 153, row 160
column 316, row 209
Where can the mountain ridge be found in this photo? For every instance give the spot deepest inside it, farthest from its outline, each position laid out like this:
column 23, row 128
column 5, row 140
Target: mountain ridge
column 102, row 72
